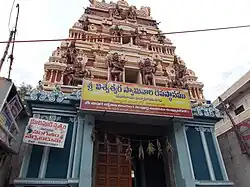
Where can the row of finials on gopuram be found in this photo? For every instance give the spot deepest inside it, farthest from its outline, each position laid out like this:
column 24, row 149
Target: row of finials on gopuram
column 87, row 56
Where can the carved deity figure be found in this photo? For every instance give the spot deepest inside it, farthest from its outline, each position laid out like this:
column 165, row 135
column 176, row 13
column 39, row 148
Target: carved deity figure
column 81, row 71
column 40, row 86
column 137, row 38
column 132, row 12
column 116, row 65
column 71, row 53
column 116, row 11
column 76, row 66
column 85, row 24
column 180, row 71
column 148, row 70
column 161, row 38
column 124, row 13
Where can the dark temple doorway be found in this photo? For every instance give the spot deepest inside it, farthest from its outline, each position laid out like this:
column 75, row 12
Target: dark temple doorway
column 150, row 170
column 113, row 169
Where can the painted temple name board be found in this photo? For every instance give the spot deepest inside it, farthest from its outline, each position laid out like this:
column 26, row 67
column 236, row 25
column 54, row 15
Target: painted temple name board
column 45, row 133
column 135, row 99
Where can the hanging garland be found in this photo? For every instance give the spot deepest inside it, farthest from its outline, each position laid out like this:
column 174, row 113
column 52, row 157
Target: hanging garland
column 159, row 149
column 128, row 151
column 150, row 149
column 153, row 145
column 141, row 152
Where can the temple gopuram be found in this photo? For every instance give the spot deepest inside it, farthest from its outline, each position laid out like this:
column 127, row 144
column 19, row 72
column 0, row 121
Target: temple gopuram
column 118, row 108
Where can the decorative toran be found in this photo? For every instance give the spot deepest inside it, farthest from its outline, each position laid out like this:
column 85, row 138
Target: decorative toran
column 154, row 146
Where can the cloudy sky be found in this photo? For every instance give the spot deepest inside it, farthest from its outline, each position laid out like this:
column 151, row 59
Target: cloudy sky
column 218, row 58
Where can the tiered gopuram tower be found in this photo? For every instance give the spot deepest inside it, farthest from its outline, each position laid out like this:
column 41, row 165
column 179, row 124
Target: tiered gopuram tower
column 118, row 42
column 120, row 141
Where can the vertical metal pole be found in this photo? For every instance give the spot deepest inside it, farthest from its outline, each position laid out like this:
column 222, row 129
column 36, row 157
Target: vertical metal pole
column 6, row 50
column 11, row 57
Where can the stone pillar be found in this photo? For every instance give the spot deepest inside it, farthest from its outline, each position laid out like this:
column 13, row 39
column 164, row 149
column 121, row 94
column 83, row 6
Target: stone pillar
column 85, row 177
column 44, row 162
column 108, row 74
column 61, row 81
column 201, row 93
column 131, row 40
column 197, row 93
column 78, row 148
column 123, row 75
column 56, row 75
column 193, row 92
column 121, row 40
column 154, row 84
column 51, row 74
column 139, row 79
column 182, row 161
column 190, row 93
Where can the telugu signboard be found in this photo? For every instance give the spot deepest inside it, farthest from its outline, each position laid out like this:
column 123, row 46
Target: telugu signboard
column 5, row 87
column 45, row 133
column 10, row 112
column 10, row 108
column 135, row 99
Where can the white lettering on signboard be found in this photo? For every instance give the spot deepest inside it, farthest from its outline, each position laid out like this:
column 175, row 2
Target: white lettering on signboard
column 45, row 133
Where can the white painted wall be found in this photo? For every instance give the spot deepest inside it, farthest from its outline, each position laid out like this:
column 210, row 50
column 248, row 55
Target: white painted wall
column 225, row 124
column 238, row 94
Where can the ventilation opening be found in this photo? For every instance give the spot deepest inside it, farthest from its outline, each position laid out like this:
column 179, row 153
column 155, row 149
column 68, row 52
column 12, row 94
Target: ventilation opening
column 239, row 110
column 125, row 40
column 132, row 76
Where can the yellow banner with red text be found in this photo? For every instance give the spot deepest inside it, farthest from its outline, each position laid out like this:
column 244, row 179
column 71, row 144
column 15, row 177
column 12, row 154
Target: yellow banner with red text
column 135, row 99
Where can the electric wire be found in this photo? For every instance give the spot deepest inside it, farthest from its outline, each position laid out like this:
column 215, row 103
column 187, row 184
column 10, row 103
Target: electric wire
column 129, row 35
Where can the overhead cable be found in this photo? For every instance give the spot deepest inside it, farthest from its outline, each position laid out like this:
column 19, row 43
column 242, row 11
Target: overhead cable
column 129, row 35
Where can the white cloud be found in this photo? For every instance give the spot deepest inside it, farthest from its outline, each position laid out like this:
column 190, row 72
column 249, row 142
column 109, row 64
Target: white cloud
column 219, row 58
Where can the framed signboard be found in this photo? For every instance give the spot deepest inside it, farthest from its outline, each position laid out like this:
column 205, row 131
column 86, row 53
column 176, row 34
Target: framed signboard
column 45, row 133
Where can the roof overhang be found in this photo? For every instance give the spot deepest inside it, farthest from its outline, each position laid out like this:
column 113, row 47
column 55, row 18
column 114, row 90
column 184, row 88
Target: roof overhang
column 234, row 91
